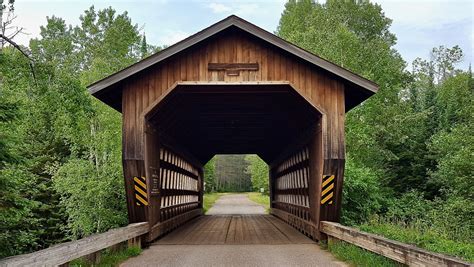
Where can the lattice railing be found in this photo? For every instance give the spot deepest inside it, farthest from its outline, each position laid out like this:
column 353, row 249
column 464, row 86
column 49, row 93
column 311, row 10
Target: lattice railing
column 179, row 185
column 291, row 193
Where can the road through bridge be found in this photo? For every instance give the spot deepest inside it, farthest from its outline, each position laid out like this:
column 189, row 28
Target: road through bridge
column 236, row 232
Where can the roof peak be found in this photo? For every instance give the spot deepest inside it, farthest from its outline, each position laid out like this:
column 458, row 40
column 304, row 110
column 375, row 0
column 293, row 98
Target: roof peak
column 368, row 86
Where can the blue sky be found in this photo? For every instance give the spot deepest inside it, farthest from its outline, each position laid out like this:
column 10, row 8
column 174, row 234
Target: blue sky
column 419, row 25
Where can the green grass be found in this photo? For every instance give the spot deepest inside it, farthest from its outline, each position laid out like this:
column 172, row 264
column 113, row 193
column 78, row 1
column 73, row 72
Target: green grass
column 423, row 238
column 109, row 258
column 357, row 256
column 260, row 199
column 210, row 199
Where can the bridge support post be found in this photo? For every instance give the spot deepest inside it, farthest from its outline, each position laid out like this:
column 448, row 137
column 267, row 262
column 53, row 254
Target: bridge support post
column 152, row 167
column 133, row 168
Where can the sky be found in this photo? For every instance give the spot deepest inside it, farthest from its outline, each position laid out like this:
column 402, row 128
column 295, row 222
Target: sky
column 419, row 25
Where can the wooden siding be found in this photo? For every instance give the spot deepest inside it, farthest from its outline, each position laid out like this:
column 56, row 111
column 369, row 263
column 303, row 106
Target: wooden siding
column 324, row 92
column 323, row 143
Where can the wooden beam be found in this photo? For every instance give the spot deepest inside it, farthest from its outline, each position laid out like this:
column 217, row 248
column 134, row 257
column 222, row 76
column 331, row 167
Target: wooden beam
column 66, row 252
column 406, row 254
column 232, row 66
column 152, row 170
column 315, row 173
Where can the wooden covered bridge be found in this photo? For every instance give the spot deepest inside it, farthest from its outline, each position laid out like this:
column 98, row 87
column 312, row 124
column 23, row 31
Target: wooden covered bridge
column 233, row 88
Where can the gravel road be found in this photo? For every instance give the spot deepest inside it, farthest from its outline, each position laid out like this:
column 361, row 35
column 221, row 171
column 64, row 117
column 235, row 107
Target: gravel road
column 235, row 204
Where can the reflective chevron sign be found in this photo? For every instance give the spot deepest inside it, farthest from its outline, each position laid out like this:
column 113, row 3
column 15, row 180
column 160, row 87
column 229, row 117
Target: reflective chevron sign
column 141, row 197
column 327, row 191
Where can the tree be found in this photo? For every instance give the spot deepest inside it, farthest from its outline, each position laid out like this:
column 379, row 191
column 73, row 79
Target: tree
column 230, row 173
column 210, row 183
column 62, row 139
column 258, row 171
column 355, row 35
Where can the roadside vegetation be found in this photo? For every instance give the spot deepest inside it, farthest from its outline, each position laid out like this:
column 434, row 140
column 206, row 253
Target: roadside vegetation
column 409, row 168
column 422, row 235
column 261, row 199
column 357, row 256
column 109, row 258
column 210, row 199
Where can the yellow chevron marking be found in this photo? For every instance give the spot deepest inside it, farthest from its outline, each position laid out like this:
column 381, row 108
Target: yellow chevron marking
column 140, row 191
column 328, row 197
column 330, row 179
column 138, row 181
column 139, row 198
column 329, row 188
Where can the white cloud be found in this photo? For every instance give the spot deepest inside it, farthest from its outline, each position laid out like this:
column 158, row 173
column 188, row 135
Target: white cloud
column 172, row 37
column 219, row 8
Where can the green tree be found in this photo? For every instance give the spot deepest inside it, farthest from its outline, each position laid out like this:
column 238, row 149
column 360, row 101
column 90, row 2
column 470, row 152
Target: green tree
column 63, row 139
column 210, row 176
column 258, row 170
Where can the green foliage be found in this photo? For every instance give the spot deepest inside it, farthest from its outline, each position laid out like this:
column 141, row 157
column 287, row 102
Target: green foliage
column 410, row 147
column 19, row 227
column 358, row 256
column 261, row 199
column 63, row 145
column 423, row 236
column 362, row 194
column 258, row 171
column 110, row 258
column 93, row 197
column 230, row 174
column 210, row 180
column 209, row 200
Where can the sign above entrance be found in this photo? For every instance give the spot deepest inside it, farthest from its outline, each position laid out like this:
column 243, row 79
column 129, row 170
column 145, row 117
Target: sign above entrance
column 232, row 69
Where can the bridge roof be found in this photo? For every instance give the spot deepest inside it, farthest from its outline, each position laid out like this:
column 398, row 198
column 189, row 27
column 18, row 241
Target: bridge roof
column 360, row 87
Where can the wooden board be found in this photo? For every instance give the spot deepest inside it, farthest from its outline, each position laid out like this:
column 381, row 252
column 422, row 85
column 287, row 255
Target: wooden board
column 404, row 253
column 235, row 230
column 68, row 251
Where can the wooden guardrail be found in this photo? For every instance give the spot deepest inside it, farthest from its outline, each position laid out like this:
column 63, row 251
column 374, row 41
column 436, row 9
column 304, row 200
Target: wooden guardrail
column 66, row 252
column 403, row 253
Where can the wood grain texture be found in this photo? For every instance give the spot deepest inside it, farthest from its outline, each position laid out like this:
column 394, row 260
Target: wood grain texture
column 234, row 230
column 180, row 124
column 66, row 252
column 234, row 48
column 406, row 254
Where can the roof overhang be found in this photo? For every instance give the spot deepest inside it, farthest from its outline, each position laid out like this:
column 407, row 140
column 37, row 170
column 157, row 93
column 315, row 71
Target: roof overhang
column 108, row 84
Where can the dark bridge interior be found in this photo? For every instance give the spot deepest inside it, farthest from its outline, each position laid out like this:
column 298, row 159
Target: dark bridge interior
column 233, row 119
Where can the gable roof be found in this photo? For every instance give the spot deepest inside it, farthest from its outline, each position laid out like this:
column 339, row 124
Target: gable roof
column 366, row 86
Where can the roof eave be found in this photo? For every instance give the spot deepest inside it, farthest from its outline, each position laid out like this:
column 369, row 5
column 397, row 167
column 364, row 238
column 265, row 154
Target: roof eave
column 247, row 27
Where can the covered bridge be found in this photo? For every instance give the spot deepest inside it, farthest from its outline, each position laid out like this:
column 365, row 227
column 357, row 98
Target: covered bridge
column 233, row 88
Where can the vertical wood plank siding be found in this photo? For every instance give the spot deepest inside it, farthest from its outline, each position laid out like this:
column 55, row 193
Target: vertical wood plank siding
column 191, row 65
column 323, row 155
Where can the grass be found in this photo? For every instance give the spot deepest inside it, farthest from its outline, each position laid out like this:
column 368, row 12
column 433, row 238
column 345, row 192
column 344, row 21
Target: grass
column 109, row 258
column 210, row 199
column 425, row 239
column 357, row 256
column 260, row 199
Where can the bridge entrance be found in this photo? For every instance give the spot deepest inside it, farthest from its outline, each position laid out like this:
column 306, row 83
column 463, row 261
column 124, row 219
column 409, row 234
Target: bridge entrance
column 233, row 88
